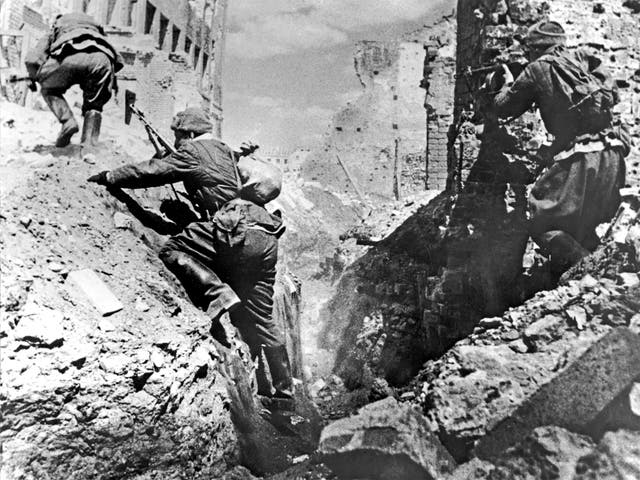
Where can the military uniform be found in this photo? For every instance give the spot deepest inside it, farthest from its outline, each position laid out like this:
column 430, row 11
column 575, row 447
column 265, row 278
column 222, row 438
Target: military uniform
column 227, row 261
column 75, row 52
column 581, row 188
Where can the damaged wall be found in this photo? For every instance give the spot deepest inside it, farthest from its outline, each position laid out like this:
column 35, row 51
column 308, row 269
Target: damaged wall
column 172, row 51
column 418, row 297
column 390, row 108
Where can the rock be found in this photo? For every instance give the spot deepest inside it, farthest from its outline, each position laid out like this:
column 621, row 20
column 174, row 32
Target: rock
column 89, row 158
column 40, row 326
column 56, row 267
column 628, row 279
column 76, row 353
column 379, row 389
column 548, row 452
column 239, row 473
column 26, row 221
column 96, row 291
column 472, row 470
column 157, row 359
column 492, row 322
column 315, row 388
column 141, row 306
column 106, row 326
column 541, row 333
column 617, row 457
column 143, row 356
column 299, row 459
column 406, row 396
column 588, row 282
column 385, row 440
column 576, row 395
column 122, row 221
column 623, row 412
column 577, row 315
column 115, row 363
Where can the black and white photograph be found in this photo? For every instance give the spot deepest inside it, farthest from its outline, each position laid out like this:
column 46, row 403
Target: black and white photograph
column 320, row 239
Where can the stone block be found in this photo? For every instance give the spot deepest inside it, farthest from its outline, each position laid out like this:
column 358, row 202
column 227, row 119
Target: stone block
column 575, row 397
column 385, row 440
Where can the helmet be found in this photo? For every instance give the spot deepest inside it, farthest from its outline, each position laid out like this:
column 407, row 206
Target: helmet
column 192, row 120
column 545, row 34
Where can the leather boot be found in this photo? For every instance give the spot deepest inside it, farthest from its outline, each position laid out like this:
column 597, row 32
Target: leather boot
column 280, row 368
column 565, row 251
column 63, row 113
column 91, row 127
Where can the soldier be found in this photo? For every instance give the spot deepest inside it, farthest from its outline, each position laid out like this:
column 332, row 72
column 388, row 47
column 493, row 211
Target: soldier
column 580, row 189
column 226, row 264
column 75, row 52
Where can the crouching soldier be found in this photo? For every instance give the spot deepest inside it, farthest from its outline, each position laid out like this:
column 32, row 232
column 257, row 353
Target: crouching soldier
column 227, row 260
column 75, row 52
column 580, row 189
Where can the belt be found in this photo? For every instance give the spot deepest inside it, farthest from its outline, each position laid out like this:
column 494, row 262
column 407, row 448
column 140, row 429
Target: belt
column 589, row 147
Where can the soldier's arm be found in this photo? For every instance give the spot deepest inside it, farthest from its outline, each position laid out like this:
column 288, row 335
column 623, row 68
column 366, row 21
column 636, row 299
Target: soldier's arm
column 515, row 99
column 155, row 172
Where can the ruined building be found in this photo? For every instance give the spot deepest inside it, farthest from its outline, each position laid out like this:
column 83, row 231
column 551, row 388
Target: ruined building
column 172, row 50
column 381, row 136
column 460, row 258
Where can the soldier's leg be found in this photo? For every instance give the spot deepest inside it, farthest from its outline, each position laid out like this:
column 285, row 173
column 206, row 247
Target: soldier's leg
column 191, row 257
column 55, row 79
column 565, row 251
column 96, row 84
column 255, row 286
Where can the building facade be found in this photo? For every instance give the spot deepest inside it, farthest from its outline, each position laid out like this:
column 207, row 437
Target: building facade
column 172, row 49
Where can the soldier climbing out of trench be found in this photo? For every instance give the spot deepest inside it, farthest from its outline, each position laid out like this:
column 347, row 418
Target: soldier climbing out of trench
column 75, row 52
column 226, row 259
column 586, row 169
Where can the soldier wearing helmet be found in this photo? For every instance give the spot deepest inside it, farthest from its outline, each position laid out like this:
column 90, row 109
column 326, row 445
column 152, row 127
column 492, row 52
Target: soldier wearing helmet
column 227, row 260
column 586, row 169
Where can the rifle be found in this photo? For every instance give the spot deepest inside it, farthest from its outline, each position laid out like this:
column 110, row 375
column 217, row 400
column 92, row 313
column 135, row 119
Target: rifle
column 13, row 78
column 160, row 144
column 493, row 67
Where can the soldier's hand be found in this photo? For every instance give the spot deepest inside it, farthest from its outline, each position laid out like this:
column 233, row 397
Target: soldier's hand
column 247, row 148
column 100, row 178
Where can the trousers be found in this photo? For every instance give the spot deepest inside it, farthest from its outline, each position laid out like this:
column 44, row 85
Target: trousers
column 248, row 270
column 576, row 195
column 92, row 70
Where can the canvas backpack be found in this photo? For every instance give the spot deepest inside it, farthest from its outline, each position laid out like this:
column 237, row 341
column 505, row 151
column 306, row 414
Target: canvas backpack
column 590, row 100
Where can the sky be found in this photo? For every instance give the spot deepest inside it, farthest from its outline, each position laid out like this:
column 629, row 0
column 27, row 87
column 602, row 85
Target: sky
column 288, row 64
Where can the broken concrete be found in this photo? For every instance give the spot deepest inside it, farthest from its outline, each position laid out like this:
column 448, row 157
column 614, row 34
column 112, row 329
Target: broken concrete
column 386, row 440
column 96, row 291
column 575, row 396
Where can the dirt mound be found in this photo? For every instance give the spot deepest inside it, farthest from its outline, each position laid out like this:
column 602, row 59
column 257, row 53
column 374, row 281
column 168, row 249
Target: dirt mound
column 86, row 396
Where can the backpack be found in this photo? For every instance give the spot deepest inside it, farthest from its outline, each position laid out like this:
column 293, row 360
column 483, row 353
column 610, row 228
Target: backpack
column 261, row 181
column 590, row 100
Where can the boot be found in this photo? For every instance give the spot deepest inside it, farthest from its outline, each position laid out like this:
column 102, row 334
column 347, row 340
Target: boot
column 280, row 368
column 91, row 127
column 565, row 252
column 63, row 113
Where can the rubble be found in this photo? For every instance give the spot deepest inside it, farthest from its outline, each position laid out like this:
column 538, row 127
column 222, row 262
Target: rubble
column 40, row 326
column 385, row 440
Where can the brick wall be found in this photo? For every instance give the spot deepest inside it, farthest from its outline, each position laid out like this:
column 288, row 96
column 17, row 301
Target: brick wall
column 438, row 81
